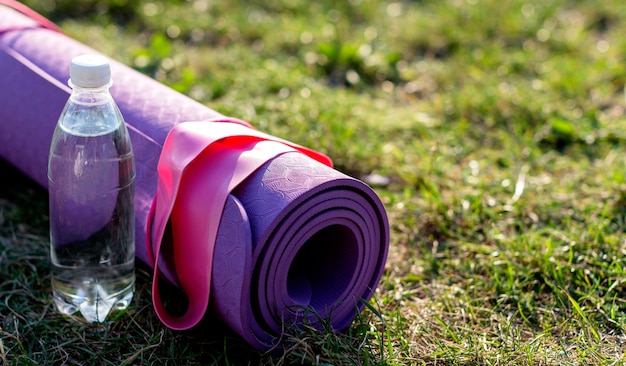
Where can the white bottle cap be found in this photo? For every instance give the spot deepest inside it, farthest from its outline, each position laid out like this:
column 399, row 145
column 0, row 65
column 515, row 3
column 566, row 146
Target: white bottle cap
column 90, row 71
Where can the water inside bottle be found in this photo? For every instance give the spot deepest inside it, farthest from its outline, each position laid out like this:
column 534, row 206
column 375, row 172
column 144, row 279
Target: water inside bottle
column 91, row 225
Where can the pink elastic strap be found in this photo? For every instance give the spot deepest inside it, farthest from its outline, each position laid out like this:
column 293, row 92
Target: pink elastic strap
column 43, row 22
column 201, row 163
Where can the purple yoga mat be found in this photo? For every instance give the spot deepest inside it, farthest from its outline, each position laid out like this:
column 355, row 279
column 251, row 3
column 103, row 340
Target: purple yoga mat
column 296, row 233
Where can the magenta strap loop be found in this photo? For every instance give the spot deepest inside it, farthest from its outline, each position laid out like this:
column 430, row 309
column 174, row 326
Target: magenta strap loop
column 201, row 163
column 43, row 22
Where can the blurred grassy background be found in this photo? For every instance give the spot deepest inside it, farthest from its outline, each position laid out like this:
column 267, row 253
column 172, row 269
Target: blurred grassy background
column 492, row 130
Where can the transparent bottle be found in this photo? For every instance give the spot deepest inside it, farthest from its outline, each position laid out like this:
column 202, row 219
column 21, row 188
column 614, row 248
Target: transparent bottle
column 91, row 176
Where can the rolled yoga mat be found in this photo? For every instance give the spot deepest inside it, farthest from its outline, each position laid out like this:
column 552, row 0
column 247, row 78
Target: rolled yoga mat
column 264, row 229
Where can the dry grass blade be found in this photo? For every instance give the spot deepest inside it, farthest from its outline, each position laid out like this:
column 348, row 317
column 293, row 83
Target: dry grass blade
column 132, row 358
column 3, row 354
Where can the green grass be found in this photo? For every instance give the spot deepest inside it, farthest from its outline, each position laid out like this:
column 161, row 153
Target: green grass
column 500, row 126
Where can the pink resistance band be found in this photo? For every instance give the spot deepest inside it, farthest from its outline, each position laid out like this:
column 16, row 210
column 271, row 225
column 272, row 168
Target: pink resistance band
column 201, row 163
column 42, row 21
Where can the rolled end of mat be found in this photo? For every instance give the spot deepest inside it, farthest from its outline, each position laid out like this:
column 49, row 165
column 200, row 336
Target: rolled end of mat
column 318, row 244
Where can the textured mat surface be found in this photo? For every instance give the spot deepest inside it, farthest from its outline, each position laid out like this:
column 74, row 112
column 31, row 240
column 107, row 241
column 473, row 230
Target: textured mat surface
column 293, row 238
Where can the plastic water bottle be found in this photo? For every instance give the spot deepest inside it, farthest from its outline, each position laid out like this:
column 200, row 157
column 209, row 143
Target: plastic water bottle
column 91, row 175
